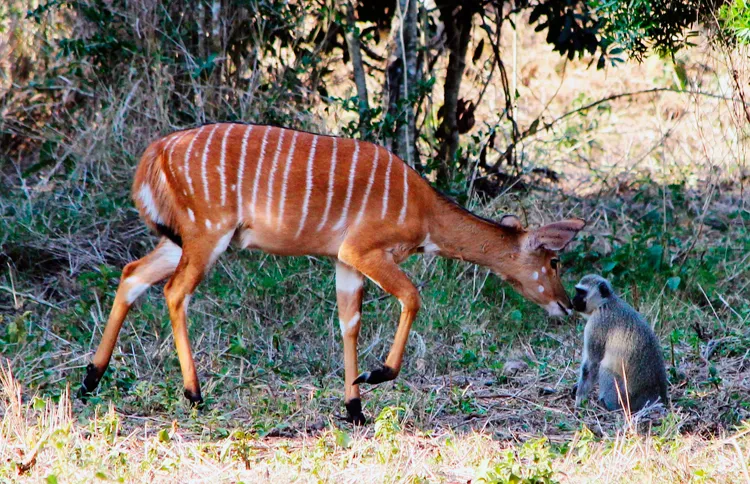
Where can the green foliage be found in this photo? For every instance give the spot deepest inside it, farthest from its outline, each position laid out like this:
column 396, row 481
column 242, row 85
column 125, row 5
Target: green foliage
column 529, row 464
column 640, row 25
column 734, row 17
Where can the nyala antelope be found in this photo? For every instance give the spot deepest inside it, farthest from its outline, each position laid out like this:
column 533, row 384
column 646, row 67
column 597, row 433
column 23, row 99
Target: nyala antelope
column 295, row 193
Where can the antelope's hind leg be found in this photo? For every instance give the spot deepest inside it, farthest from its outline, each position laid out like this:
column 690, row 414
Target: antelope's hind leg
column 349, row 291
column 136, row 278
column 197, row 257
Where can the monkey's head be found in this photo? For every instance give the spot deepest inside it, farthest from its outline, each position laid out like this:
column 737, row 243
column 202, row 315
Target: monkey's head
column 591, row 292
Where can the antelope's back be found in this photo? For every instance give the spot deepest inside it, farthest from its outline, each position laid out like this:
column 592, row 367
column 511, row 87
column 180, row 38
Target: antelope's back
column 281, row 190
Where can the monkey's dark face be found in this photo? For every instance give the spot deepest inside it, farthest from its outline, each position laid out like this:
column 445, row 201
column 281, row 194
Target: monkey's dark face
column 591, row 292
column 579, row 300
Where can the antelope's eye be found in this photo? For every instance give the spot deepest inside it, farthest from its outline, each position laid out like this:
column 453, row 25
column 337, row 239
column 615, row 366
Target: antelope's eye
column 553, row 263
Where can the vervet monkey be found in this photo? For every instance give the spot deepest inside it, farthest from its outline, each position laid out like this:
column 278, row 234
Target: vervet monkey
column 620, row 350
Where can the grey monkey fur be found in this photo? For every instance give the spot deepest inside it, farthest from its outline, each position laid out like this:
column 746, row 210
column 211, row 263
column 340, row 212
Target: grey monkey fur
column 617, row 337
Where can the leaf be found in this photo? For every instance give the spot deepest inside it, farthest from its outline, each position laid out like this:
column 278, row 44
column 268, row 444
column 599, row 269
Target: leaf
column 673, row 283
column 532, row 129
column 478, row 51
column 600, row 63
column 680, row 74
column 609, row 266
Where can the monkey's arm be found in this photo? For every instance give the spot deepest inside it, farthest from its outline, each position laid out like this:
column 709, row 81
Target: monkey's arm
column 593, row 352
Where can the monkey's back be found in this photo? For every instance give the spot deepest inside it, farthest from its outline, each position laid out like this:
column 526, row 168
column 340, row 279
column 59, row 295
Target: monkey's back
column 633, row 352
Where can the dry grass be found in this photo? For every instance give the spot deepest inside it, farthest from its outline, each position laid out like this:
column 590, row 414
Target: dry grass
column 42, row 438
column 486, row 387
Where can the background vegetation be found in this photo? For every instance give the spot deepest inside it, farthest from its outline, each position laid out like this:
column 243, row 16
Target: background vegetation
column 632, row 115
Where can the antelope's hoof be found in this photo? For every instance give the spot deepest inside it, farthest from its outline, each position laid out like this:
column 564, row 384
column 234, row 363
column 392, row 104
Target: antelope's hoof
column 195, row 398
column 374, row 377
column 354, row 413
column 90, row 382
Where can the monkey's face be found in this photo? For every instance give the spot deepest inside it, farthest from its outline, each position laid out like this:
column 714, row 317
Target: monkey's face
column 591, row 292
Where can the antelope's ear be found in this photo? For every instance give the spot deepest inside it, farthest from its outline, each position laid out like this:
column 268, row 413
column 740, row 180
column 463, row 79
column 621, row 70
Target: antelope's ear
column 555, row 236
column 511, row 222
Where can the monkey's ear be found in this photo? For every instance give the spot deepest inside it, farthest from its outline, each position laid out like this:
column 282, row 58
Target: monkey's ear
column 511, row 222
column 604, row 290
column 555, row 236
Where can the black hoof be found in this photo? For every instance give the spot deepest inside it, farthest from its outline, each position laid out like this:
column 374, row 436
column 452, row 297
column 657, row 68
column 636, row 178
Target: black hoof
column 195, row 398
column 377, row 376
column 90, row 382
column 354, row 412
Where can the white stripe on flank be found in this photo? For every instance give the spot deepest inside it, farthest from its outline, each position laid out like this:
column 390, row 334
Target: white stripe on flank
column 187, row 159
column 308, row 189
column 369, row 187
column 271, row 175
column 241, row 171
column 204, row 175
column 349, row 188
column 329, row 196
column 222, row 165
column 282, row 198
column 259, row 165
column 174, row 142
column 402, row 215
column 191, row 215
column 387, row 186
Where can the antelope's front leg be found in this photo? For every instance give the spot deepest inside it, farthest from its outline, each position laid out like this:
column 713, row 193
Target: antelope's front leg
column 379, row 266
column 349, row 291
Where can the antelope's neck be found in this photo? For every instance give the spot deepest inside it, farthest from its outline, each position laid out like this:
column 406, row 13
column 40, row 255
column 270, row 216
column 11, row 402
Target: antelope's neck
column 459, row 234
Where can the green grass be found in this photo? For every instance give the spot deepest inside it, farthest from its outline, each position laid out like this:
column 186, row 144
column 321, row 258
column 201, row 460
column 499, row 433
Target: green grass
column 484, row 394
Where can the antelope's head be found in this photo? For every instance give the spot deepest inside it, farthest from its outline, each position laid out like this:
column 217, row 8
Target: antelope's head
column 533, row 268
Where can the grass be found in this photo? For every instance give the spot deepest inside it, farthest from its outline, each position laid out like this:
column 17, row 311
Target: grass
column 485, row 392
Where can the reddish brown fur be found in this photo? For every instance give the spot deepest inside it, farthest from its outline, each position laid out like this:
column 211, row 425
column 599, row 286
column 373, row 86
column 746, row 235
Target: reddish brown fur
column 171, row 197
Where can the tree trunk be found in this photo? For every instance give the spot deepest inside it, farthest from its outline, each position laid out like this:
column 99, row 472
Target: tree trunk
column 351, row 33
column 402, row 77
column 458, row 32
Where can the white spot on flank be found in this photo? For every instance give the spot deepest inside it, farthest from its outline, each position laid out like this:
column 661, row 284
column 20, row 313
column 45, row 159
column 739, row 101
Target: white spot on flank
column 405, row 203
column 308, row 186
column 149, row 205
column 269, row 199
column 544, row 270
column 222, row 165
column 347, row 327
column 258, row 167
column 540, row 288
column 369, row 187
column 204, row 160
column 329, row 196
column 285, row 179
column 387, row 186
column 221, row 246
column 191, row 215
column 188, row 152
column 535, row 276
column 208, row 224
column 349, row 187
column 234, row 187
column 241, row 171
column 162, row 178
column 348, row 280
